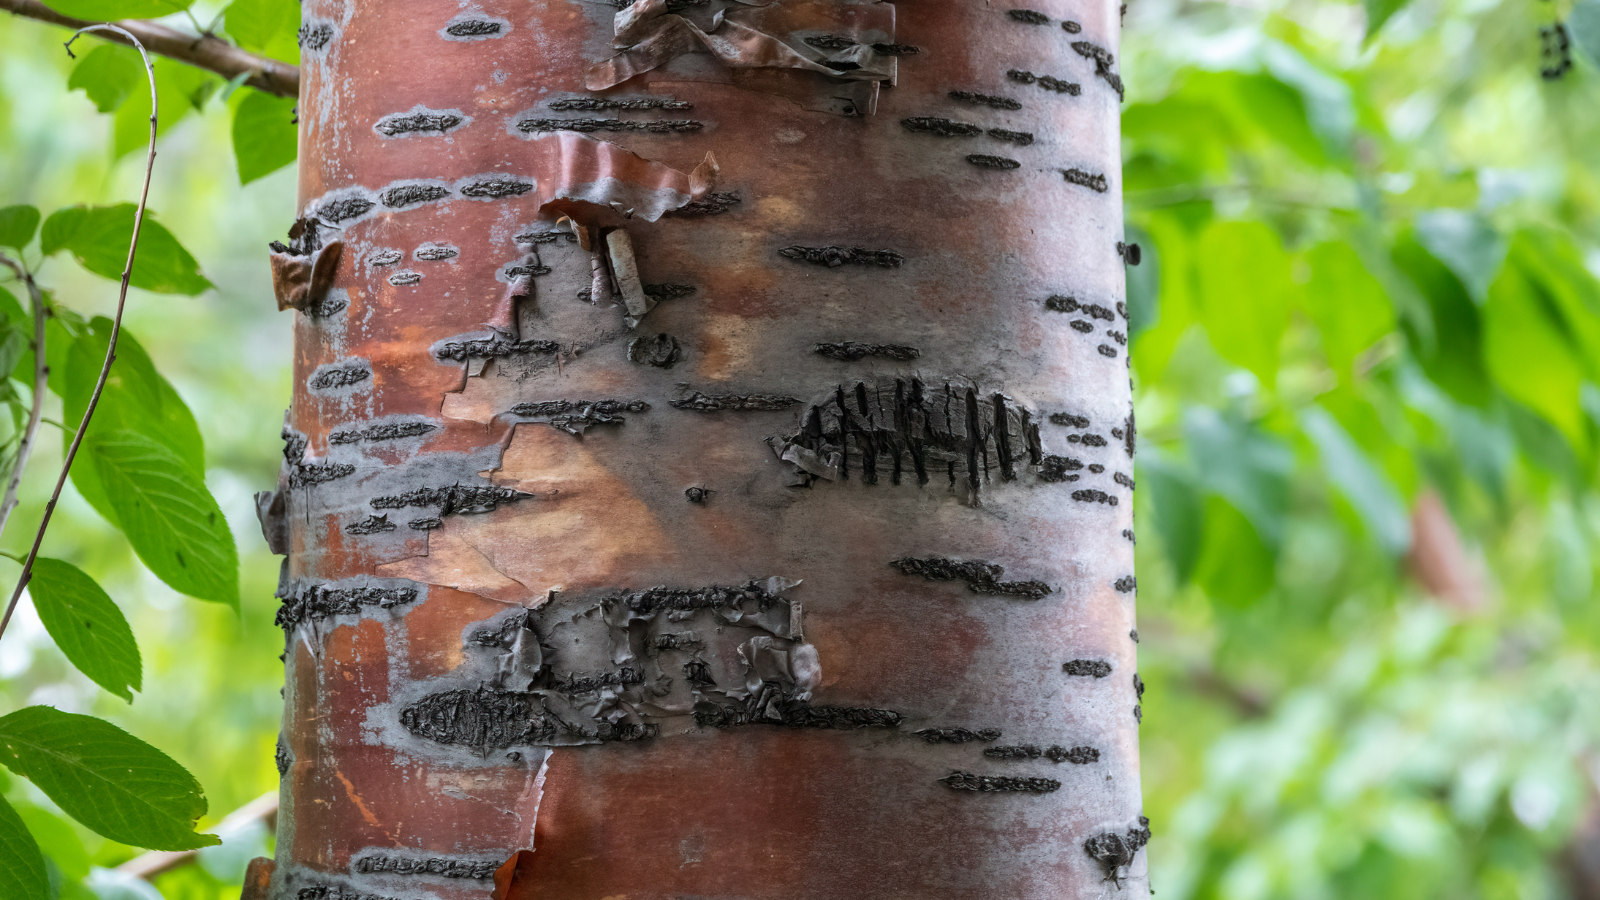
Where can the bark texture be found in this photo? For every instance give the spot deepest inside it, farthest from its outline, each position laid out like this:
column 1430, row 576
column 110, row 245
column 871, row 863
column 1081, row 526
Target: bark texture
column 710, row 462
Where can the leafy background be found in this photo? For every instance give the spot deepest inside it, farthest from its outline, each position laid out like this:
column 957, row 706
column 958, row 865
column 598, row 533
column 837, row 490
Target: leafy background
column 1366, row 347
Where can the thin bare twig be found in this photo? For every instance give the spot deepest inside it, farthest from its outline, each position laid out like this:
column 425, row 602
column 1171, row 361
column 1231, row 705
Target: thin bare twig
column 116, row 321
column 204, row 52
column 41, row 370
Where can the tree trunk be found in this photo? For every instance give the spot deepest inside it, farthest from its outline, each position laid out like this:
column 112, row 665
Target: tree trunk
column 745, row 513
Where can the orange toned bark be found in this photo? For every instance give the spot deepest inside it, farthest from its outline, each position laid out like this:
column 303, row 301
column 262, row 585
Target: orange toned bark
column 710, row 467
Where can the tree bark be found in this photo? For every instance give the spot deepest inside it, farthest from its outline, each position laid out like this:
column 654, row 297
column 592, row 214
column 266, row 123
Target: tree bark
column 709, row 468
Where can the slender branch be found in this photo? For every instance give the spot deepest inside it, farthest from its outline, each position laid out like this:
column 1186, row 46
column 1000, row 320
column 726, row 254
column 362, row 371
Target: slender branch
column 205, row 52
column 41, row 370
column 148, row 865
column 116, row 321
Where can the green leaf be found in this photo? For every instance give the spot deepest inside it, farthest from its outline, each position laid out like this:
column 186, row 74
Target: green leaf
column 1248, row 467
column 17, row 225
column 1179, row 510
column 1329, row 105
column 1244, row 293
column 265, row 138
column 58, row 840
column 1373, row 497
column 180, row 89
column 1453, row 358
column 108, row 75
column 1347, row 303
column 1379, row 12
column 108, row 10
column 112, row 782
column 86, row 625
column 265, row 26
column 1584, row 24
column 98, row 237
column 1467, row 244
column 1237, row 567
column 1529, row 354
column 22, row 872
column 169, row 517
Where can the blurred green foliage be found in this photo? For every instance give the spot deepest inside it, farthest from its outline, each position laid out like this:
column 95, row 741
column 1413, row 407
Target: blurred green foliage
column 1366, row 350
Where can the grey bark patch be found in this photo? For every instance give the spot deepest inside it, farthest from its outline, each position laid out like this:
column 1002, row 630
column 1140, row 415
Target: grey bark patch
column 993, row 784
column 1087, row 668
column 589, row 126
column 322, row 601
column 850, row 351
column 590, row 104
column 441, row 867
column 420, row 120
column 735, row 402
column 494, row 187
column 834, row 257
column 958, row 735
column 334, row 376
column 662, row 351
column 1090, row 180
column 979, row 577
column 990, row 100
column 990, row 161
column 475, row 28
column 431, row 252
column 940, row 127
column 413, row 193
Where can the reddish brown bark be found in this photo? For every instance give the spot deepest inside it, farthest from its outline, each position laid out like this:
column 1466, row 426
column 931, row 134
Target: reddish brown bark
column 878, row 458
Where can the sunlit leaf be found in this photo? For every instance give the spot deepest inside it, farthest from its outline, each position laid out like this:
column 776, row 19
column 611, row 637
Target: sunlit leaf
column 87, row 625
column 108, row 75
column 98, row 237
column 1530, row 355
column 17, row 225
column 180, row 89
column 22, row 872
column 108, row 10
column 1236, row 567
column 268, row 27
column 265, row 138
column 1466, row 243
column 1347, row 303
column 168, row 515
column 1453, row 359
column 1379, row 12
column 107, row 779
column 1328, row 101
column 1244, row 294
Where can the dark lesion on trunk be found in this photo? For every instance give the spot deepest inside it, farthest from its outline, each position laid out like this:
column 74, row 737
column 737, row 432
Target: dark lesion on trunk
column 1057, row 754
column 995, row 784
column 979, row 577
column 1115, row 851
column 958, row 735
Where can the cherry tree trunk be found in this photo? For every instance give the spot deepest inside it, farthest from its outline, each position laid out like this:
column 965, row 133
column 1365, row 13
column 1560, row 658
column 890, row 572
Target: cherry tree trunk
column 708, row 473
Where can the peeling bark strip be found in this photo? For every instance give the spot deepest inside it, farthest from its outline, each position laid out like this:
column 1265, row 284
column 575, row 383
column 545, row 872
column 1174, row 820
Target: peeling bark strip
column 980, row 577
column 577, row 416
column 500, row 345
column 386, row 864
column 453, row 499
column 850, row 351
column 958, row 735
column 420, row 120
column 737, row 402
column 833, row 257
column 1081, row 756
column 577, row 104
column 1114, row 851
column 589, row 126
column 994, row 784
column 1087, row 668
column 914, row 429
column 321, row 602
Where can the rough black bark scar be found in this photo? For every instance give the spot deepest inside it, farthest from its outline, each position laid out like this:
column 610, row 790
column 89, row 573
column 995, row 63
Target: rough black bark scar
column 980, row 577
column 833, row 257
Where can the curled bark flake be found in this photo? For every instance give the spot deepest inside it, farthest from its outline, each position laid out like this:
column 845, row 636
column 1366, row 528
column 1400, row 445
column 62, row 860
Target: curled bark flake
column 980, row 577
column 833, row 257
column 1130, row 253
column 1088, row 668
column 850, row 351
column 988, row 161
column 302, row 281
column 993, row 784
column 985, row 99
column 737, row 402
column 940, row 127
column 958, row 735
column 420, row 120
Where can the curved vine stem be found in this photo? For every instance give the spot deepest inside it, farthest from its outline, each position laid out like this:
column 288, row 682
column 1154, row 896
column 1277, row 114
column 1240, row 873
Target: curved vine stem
column 41, row 371
column 116, row 321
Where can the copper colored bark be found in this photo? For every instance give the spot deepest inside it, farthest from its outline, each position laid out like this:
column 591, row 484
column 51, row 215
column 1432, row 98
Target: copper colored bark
column 736, row 618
